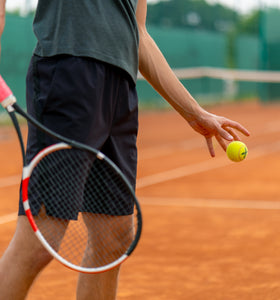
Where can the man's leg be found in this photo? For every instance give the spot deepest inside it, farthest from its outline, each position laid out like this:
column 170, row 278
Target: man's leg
column 24, row 258
column 101, row 286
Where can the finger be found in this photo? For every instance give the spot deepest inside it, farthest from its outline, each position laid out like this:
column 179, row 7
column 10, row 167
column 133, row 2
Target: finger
column 210, row 146
column 221, row 142
column 237, row 126
column 233, row 133
column 225, row 134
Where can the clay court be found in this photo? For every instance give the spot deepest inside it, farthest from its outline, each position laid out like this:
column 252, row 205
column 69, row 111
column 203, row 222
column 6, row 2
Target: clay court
column 211, row 227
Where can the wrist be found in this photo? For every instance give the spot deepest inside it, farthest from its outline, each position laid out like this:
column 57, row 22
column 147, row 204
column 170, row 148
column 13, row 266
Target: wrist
column 192, row 111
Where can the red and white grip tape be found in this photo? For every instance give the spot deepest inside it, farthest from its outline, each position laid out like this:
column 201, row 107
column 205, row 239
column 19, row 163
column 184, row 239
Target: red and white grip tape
column 6, row 96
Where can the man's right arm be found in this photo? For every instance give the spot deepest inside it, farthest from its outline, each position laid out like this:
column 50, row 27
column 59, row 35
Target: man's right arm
column 2, row 18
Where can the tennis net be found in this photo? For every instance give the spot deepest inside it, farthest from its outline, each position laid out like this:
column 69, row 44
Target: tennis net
column 208, row 84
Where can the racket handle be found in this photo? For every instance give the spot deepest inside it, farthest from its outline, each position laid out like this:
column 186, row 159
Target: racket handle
column 6, row 96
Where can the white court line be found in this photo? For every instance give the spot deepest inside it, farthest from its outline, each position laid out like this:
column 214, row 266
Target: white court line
column 211, row 203
column 189, row 202
column 170, row 148
column 178, row 172
column 182, row 172
column 203, row 166
column 196, row 143
column 148, row 153
column 8, row 218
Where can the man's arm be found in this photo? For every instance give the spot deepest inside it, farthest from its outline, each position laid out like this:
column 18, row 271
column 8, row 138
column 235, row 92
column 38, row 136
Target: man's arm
column 2, row 18
column 155, row 69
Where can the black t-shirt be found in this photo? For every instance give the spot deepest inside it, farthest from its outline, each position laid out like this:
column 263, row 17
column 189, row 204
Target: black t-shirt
column 103, row 29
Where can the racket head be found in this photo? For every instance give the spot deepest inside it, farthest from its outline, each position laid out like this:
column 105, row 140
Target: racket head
column 81, row 207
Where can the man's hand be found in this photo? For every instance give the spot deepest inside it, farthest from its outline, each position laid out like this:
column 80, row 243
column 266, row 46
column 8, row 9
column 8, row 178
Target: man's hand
column 210, row 125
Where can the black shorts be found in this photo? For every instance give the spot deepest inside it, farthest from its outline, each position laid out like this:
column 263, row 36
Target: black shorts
column 85, row 100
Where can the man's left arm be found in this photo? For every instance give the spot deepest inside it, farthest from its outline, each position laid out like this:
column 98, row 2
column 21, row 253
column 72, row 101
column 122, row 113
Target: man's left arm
column 156, row 70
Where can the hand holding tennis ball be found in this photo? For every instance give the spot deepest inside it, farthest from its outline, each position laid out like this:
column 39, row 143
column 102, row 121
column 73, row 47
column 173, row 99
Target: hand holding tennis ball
column 237, row 151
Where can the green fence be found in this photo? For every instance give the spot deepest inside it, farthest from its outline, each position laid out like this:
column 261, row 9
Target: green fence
column 17, row 42
column 270, row 54
column 182, row 48
column 247, row 56
column 196, row 48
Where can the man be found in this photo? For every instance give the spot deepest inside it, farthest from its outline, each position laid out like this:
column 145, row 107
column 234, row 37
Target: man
column 83, row 75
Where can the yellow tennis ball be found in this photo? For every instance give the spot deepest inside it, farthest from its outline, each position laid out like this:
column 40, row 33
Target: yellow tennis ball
column 237, row 151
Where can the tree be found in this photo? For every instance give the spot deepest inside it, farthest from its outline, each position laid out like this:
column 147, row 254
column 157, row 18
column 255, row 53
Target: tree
column 192, row 14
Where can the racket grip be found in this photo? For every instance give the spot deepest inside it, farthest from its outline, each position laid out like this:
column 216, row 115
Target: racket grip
column 6, row 96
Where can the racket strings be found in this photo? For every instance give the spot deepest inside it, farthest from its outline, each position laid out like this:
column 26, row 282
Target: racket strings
column 82, row 207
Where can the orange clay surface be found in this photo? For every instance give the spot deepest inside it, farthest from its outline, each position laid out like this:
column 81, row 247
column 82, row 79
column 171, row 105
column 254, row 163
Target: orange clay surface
column 211, row 226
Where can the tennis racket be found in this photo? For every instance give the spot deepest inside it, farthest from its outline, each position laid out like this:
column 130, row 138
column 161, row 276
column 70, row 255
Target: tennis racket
column 79, row 204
